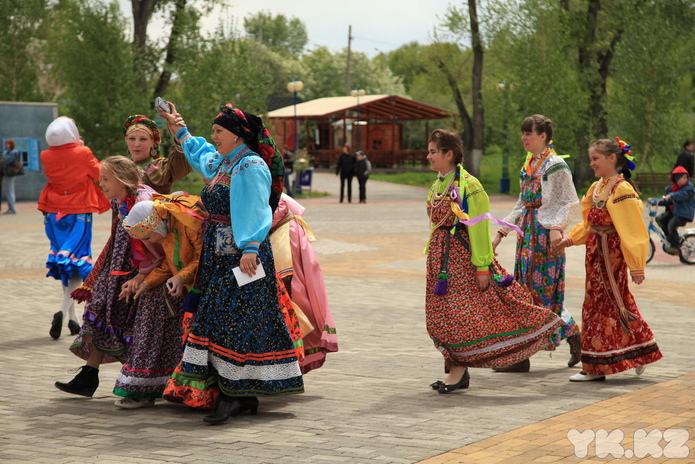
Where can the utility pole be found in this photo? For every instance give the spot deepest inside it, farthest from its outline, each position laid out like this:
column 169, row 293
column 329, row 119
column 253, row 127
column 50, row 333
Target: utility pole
column 347, row 72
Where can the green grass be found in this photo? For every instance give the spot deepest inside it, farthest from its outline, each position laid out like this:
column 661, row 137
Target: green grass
column 491, row 172
column 418, row 179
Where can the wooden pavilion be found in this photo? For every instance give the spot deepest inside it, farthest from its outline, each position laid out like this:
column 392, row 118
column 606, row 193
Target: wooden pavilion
column 370, row 123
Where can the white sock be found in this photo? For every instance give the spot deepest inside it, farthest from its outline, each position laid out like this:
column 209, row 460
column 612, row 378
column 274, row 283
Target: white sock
column 68, row 306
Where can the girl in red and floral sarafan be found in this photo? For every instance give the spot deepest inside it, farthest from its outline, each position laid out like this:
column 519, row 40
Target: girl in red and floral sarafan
column 615, row 337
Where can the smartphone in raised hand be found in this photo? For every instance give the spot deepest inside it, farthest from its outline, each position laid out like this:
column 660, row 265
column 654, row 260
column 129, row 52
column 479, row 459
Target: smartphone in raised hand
column 162, row 105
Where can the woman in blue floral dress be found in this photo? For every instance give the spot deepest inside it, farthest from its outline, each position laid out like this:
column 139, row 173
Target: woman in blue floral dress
column 547, row 202
column 239, row 347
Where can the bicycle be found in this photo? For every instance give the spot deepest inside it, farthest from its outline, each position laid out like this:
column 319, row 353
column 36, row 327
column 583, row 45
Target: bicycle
column 686, row 251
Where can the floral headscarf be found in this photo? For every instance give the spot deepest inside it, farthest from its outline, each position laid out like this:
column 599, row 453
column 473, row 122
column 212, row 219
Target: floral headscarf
column 250, row 127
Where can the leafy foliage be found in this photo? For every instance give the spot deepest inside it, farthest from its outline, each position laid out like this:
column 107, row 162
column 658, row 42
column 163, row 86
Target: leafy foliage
column 22, row 25
column 96, row 87
column 277, row 32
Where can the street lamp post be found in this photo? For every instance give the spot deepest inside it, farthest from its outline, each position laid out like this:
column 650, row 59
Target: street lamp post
column 357, row 93
column 504, row 180
column 294, row 87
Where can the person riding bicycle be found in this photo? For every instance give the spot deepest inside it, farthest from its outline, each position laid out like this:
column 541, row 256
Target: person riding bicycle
column 679, row 199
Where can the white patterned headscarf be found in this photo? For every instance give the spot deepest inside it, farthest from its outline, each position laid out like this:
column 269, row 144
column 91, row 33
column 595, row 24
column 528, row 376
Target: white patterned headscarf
column 143, row 219
column 62, row 131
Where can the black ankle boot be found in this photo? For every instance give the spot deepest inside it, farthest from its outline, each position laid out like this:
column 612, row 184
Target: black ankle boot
column 229, row 406
column 56, row 325
column 575, row 343
column 85, row 382
column 522, row 366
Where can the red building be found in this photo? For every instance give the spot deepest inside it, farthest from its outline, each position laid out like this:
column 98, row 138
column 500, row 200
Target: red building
column 371, row 123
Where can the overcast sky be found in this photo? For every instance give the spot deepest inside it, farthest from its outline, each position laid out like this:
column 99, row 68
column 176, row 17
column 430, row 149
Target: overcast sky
column 377, row 25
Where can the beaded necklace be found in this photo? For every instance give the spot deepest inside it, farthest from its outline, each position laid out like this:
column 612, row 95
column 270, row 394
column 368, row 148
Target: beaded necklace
column 441, row 192
column 603, row 190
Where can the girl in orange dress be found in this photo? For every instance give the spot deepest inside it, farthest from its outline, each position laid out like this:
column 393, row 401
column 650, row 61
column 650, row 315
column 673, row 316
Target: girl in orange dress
column 615, row 337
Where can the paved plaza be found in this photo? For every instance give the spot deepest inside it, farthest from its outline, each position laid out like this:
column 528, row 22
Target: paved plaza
column 370, row 403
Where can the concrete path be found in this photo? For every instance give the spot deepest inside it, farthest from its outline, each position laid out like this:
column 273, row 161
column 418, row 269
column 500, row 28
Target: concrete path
column 370, row 403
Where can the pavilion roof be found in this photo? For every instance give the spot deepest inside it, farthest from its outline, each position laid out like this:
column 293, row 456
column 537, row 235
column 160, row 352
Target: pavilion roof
column 370, row 107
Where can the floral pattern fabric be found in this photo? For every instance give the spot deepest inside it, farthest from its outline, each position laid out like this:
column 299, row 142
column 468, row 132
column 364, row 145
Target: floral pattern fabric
column 537, row 266
column 607, row 347
column 494, row 328
column 239, row 342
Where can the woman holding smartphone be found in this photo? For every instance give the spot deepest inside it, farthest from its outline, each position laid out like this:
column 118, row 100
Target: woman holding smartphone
column 239, row 347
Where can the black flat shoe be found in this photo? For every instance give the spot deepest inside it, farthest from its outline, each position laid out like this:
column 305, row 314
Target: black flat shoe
column 522, row 366
column 463, row 383
column 436, row 385
column 56, row 325
column 74, row 327
column 231, row 407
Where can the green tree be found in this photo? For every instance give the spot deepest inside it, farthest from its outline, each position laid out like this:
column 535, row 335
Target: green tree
column 407, row 62
column 651, row 71
column 277, row 32
column 90, row 56
column 326, row 70
column 182, row 16
column 22, row 22
column 229, row 69
column 594, row 68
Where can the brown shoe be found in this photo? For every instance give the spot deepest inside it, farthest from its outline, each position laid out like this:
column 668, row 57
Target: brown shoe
column 575, row 344
column 523, row 366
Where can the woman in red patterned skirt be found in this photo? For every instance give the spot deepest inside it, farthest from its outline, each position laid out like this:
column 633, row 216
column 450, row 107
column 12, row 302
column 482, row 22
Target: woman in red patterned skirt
column 476, row 314
column 615, row 338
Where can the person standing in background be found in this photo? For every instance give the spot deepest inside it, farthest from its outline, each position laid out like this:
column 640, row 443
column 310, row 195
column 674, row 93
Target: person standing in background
column 288, row 160
column 12, row 157
column 362, row 169
column 2, row 173
column 686, row 157
column 346, row 169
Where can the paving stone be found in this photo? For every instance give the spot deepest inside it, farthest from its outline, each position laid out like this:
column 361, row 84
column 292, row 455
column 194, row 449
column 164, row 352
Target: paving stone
column 370, row 403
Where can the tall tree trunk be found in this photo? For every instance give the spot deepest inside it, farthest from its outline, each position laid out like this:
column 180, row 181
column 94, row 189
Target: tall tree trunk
column 467, row 131
column 478, row 134
column 172, row 45
column 142, row 13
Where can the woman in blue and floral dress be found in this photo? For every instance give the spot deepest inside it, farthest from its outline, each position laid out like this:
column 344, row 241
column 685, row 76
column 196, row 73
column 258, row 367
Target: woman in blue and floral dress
column 547, row 202
column 239, row 346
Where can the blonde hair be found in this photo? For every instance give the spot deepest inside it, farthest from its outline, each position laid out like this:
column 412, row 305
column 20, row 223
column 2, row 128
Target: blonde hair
column 124, row 170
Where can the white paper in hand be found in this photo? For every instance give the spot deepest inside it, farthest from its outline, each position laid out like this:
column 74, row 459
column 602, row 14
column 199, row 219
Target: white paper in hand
column 243, row 278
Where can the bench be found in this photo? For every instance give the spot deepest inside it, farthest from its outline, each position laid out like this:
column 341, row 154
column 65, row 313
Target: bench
column 652, row 180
